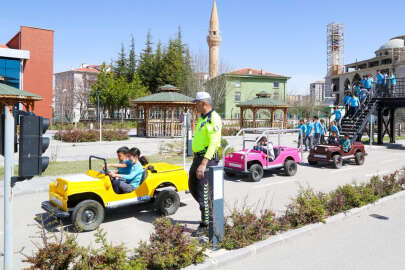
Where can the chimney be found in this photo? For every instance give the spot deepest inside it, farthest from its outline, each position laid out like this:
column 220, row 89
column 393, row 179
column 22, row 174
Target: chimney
column 261, row 72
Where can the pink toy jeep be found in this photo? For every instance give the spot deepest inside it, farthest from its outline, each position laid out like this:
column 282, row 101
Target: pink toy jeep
column 254, row 162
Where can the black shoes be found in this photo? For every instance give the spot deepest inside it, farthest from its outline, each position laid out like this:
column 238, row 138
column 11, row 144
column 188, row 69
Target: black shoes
column 202, row 230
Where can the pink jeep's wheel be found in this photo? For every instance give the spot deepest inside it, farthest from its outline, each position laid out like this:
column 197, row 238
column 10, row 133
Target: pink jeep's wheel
column 256, row 173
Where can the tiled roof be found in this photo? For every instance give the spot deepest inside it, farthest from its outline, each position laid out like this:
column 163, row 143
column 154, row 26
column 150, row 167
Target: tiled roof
column 170, row 96
column 255, row 72
column 87, row 69
column 9, row 91
column 263, row 102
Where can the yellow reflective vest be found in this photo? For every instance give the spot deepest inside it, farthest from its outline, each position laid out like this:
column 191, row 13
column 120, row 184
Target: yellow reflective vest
column 207, row 134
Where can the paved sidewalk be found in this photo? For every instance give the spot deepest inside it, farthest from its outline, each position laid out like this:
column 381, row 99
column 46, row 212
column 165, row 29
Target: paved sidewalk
column 371, row 239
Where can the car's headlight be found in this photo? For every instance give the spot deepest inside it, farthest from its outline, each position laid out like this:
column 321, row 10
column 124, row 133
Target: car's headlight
column 242, row 157
column 231, row 156
column 65, row 186
column 326, row 149
column 316, row 149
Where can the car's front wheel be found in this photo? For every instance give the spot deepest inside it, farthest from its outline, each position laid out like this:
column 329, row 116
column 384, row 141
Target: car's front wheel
column 87, row 215
column 359, row 158
column 312, row 162
column 290, row 167
column 256, row 172
column 167, row 202
column 337, row 161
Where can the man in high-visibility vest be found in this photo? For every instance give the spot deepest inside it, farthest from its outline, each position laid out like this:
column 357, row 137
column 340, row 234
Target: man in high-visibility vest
column 205, row 144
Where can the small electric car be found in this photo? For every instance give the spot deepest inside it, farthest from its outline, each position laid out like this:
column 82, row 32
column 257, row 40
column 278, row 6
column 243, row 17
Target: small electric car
column 253, row 162
column 85, row 197
column 335, row 155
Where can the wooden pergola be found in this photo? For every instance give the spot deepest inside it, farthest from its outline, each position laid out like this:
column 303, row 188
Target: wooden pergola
column 158, row 115
column 10, row 96
column 263, row 101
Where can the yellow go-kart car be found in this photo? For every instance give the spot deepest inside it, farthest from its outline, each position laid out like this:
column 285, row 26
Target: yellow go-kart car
column 85, row 197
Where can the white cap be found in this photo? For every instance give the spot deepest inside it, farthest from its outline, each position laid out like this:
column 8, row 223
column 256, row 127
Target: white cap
column 201, row 96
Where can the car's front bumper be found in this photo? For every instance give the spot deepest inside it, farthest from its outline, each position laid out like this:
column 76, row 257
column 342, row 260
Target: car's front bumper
column 234, row 170
column 52, row 209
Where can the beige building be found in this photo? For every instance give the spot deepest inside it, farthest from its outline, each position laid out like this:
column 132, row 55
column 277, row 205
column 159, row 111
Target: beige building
column 390, row 57
column 317, row 92
column 214, row 40
column 72, row 93
column 298, row 100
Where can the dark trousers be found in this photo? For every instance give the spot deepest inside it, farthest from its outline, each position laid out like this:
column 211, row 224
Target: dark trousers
column 199, row 187
column 120, row 186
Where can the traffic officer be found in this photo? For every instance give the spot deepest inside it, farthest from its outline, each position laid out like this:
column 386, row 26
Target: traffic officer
column 205, row 144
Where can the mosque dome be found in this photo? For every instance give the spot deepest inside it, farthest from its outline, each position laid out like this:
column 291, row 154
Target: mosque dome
column 392, row 44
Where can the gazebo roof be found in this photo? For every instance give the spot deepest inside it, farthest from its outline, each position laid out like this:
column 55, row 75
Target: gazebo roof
column 164, row 97
column 10, row 92
column 263, row 100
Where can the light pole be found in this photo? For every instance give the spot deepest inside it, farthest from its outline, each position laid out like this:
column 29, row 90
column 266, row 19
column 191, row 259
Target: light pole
column 99, row 113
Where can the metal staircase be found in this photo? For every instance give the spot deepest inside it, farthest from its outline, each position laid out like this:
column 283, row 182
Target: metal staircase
column 355, row 125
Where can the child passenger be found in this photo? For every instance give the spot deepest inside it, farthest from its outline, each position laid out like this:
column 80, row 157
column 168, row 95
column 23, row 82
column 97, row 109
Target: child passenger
column 333, row 138
column 123, row 167
column 131, row 181
column 345, row 143
column 265, row 147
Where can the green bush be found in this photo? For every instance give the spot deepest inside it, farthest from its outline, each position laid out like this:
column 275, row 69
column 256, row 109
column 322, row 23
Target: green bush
column 224, row 143
column 308, row 207
column 168, row 248
column 244, row 227
column 90, row 135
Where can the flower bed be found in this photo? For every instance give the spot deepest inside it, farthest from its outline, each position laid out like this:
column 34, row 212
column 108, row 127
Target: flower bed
column 170, row 247
column 91, row 135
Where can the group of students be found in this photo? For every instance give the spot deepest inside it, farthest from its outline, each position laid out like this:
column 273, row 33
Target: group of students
column 314, row 132
column 128, row 173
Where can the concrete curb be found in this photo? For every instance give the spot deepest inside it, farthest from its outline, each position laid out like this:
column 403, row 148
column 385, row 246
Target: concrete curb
column 259, row 247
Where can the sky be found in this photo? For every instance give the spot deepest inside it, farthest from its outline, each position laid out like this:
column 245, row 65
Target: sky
column 284, row 37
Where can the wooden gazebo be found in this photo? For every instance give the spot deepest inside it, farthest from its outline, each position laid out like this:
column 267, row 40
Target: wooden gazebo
column 10, row 96
column 158, row 115
column 263, row 101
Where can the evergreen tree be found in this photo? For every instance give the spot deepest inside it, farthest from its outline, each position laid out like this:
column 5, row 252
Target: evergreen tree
column 131, row 61
column 121, row 65
column 172, row 67
column 145, row 66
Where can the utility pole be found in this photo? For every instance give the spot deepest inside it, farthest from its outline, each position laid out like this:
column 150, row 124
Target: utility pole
column 8, row 191
column 99, row 115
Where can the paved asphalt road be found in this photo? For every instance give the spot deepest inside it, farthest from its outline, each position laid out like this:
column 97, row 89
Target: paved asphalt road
column 131, row 224
column 371, row 239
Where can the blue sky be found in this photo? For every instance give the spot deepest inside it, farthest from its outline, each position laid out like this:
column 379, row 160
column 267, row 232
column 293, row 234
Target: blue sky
column 285, row 37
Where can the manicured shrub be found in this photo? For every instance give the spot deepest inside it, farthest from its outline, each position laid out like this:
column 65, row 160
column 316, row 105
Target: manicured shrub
column 168, row 248
column 244, row 227
column 229, row 131
column 224, row 143
column 307, row 207
column 90, row 135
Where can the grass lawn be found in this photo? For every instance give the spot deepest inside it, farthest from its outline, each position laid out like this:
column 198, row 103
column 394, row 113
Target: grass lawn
column 386, row 139
column 81, row 166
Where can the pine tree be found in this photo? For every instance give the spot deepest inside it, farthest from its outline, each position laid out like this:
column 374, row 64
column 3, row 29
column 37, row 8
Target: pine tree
column 131, row 61
column 145, row 66
column 121, row 65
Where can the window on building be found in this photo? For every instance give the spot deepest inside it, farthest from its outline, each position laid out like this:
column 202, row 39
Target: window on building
column 275, row 84
column 237, row 83
column 237, row 96
column 10, row 72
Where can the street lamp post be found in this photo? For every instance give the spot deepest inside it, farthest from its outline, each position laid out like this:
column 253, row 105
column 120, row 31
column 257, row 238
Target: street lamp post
column 99, row 113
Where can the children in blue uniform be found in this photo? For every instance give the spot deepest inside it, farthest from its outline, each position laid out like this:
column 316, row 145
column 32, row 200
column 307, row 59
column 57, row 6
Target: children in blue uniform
column 353, row 105
column 338, row 115
column 317, row 131
column 334, row 128
column 301, row 136
column 308, row 135
column 346, row 101
column 324, row 131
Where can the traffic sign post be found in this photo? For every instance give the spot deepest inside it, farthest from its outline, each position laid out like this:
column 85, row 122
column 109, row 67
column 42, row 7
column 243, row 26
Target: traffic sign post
column 8, row 190
column 216, row 196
